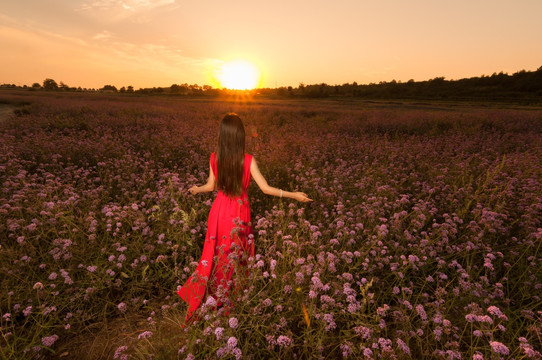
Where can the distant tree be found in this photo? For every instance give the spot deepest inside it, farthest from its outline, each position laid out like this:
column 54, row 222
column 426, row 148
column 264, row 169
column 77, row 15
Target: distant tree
column 130, row 89
column 50, row 84
column 175, row 89
column 36, row 85
column 109, row 88
column 195, row 89
column 63, row 86
column 122, row 89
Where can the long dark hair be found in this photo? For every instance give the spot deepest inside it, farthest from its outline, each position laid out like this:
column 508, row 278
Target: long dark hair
column 230, row 155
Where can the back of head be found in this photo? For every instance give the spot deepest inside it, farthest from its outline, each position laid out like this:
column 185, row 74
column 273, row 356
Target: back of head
column 230, row 155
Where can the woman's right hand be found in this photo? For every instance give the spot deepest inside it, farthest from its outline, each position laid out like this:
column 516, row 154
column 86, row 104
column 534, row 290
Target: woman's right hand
column 193, row 190
column 300, row 196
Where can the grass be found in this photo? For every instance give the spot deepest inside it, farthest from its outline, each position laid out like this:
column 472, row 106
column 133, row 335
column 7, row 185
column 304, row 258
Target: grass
column 425, row 221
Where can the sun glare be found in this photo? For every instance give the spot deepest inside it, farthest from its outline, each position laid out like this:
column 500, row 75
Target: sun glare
column 238, row 75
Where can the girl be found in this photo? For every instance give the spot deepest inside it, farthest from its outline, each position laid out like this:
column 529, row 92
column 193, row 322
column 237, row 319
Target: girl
column 229, row 241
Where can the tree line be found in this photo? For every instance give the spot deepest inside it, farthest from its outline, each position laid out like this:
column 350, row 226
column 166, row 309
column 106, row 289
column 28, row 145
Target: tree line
column 525, row 86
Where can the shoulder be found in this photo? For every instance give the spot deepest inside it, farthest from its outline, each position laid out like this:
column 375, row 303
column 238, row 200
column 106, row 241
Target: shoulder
column 249, row 160
column 252, row 161
column 212, row 159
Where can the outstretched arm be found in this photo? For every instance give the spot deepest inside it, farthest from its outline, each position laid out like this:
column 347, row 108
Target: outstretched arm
column 210, row 186
column 269, row 190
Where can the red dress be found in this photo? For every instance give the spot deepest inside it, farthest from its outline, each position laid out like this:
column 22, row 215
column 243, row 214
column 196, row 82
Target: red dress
column 226, row 249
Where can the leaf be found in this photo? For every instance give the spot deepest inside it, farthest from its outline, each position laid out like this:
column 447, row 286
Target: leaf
column 306, row 314
column 145, row 270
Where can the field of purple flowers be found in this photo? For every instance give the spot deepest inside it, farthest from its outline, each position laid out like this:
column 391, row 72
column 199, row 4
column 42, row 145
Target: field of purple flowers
column 423, row 240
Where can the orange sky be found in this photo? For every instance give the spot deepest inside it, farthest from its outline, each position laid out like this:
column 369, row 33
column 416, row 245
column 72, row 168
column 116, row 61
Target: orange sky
column 146, row 43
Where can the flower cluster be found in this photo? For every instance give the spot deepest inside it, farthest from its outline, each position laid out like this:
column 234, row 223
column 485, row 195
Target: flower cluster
column 421, row 241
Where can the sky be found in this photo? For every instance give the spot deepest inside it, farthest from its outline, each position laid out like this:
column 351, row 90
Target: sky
column 148, row 43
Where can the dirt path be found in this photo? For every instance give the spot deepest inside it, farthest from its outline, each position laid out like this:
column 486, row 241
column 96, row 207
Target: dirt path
column 5, row 112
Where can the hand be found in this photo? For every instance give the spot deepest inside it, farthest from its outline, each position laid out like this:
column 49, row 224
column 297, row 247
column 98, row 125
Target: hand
column 299, row 196
column 193, row 190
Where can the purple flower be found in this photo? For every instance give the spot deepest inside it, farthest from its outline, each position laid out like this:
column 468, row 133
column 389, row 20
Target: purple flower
column 381, row 311
column 421, row 312
column 346, row 349
column 284, row 341
column 484, row 318
column 232, row 342
column 144, row 335
column 363, row 331
column 119, row 352
column 110, row 272
column 495, row 311
column 122, row 307
column 237, row 353
column 368, row 353
column 233, row 323
column 49, row 340
column 219, row 331
column 528, row 349
column 403, row 346
column 210, row 302
column 222, row 351
column 499, row 348
column 330, row 322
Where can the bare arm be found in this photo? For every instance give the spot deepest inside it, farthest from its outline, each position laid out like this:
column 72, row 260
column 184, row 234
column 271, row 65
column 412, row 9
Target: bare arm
column 210, row 186
column 269, row 190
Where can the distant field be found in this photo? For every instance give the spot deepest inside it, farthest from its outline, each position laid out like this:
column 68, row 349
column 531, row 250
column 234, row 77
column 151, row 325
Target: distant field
column 423, row 240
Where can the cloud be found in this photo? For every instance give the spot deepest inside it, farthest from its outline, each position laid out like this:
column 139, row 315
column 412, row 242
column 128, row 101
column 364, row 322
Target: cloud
column 96, row 61
column 121, row 9
column 104, row 35
column 113, row 11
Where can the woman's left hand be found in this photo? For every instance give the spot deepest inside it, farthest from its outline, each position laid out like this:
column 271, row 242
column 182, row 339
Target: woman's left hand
column 301, row 196
column 193, row 190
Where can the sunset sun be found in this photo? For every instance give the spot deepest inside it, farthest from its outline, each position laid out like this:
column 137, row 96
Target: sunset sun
column 238, row 75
